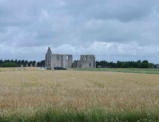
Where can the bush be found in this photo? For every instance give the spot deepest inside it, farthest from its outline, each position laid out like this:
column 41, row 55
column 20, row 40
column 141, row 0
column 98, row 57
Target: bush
column 9, row 64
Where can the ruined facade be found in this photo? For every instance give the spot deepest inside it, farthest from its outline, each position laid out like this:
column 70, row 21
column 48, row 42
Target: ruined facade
column 86, row 61
column 66, row 61
column 57, row 60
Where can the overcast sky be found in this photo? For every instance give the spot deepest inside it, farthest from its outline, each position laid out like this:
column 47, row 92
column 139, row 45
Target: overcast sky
column 110, row 29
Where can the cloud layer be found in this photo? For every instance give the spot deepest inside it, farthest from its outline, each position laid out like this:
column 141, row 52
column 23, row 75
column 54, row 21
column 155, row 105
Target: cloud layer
column 110, row 29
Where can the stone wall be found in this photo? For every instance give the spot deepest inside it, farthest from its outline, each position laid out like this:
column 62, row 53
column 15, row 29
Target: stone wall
column 66, row 61
column 87, row 61
column 59, row 60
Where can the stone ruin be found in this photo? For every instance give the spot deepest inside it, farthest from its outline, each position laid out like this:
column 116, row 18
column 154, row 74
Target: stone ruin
column 66, row 61
column 86, row 61
column 57, row 60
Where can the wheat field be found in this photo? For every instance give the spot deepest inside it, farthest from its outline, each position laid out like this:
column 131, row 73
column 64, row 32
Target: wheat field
column 27, row 90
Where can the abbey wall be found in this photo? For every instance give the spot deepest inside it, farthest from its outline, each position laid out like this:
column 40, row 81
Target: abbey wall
column 66, row 61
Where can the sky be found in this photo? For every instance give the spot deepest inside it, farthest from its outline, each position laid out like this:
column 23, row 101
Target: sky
column 110, row 29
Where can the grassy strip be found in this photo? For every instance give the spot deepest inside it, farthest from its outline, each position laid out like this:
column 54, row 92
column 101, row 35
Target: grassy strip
column 93, row 116
column 126, row 70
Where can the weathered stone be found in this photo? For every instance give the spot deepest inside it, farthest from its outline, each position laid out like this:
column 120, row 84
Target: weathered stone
column 57, row 60
column 36, row 64
column 48, row 59
column 87, row 61
column 66, row 61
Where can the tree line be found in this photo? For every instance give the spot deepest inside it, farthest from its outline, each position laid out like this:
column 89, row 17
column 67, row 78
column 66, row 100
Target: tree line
column 99, row 64
column 126, row 64
column 20, row 63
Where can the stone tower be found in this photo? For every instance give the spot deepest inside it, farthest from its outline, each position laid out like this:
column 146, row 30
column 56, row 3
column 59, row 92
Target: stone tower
column 57, row 60
column 48, row 57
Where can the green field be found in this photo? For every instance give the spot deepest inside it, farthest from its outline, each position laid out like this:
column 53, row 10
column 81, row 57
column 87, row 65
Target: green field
column 125, row 70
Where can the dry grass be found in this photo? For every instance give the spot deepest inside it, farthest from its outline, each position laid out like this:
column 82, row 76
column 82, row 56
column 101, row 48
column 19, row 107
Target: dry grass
column 28, row 90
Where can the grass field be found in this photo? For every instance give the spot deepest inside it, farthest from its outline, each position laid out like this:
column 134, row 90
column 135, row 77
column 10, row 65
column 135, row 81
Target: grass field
column 126, row 70
column 34, row 95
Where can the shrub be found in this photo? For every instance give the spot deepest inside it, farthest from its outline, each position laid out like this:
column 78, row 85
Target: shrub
column 9, row 64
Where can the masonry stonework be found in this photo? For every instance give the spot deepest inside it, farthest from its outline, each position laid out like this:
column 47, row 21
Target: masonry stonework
column 87, row 61
column 66, row 61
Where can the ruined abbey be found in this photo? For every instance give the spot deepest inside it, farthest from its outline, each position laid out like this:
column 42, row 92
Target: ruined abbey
column 66, row 61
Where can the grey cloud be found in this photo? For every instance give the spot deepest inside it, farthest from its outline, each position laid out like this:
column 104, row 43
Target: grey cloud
column 103, row 27
column 123, row 10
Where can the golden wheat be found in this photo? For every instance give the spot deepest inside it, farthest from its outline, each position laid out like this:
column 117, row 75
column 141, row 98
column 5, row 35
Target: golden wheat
column 23, row 90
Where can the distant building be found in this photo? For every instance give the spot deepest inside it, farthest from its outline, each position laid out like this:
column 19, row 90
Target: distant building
column 57, row 60
column 66, row 61
column 86, row 61
column 157, row 66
